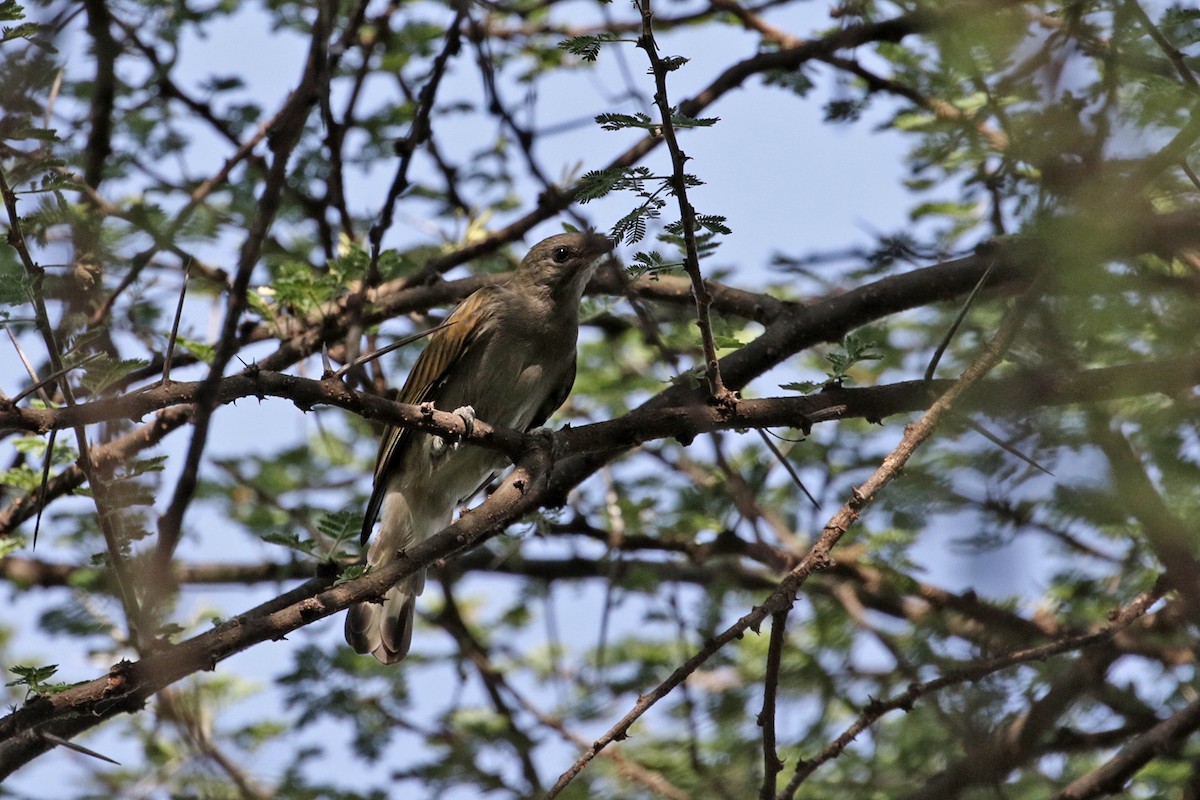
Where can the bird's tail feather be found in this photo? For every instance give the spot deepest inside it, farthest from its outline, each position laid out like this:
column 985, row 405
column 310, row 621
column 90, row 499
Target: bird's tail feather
column 384, row 629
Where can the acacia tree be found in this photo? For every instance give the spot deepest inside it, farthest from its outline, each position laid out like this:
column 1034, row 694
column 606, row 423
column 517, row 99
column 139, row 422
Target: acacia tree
column 1014, row 373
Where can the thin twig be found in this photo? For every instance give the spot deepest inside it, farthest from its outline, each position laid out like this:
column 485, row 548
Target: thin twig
column 1172, row 53
column 496, row 682
column 105, row 511
column 39, row 386
column 383, row 351
column 1005, row 446
column 787, row 465
column 1168, row 535
column 772, row 764
column 691, row 261
column 166, row 376
column 966, row 306
column 417, row 135
column 48, row 456
column 875, row 710
column 189, row 719
column 1110, row 777
column 285, row 137
column 818, row 556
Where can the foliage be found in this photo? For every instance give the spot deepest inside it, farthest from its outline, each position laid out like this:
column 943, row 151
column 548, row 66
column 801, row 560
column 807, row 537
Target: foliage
column 1014, row 614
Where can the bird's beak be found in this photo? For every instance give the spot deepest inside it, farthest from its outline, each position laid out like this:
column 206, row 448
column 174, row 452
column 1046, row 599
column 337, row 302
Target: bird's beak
column 599, row 244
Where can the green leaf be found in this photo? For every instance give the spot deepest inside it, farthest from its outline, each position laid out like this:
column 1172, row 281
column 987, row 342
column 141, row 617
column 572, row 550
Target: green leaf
column 30, row 676
column 10, row 545
column 713, row 223
column 260, row 301
column 597, row 183
column 610, row 121
column 104, row 371
column 728, row 342
column 14, row 283
column 352, row 572
column 22, row 478
column 300, row 287
column 587, row 47
column 793, row 80
column 631, row 228
column 26, row 30
column 943, row 209
column 350, row 266
column 855, row 349
column 694, row 378
column 651, row 263
column 725, row 333
column 803, row 387
column 144, row 466
column 35, row 678
column 35, row 447
column 37, row 134
column 292, row 542
column 11, row 11
column 204, row 352
column 913, row 121
column 340, row 526
column 683, row 121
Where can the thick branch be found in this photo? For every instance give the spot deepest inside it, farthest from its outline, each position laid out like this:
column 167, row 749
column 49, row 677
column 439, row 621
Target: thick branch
column 1110, row 777
column 283, row 141
column 128, row 685
column 1014, row 394
column 818, row 556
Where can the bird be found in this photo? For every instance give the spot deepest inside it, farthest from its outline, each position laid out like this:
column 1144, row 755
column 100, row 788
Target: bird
column 505, row 355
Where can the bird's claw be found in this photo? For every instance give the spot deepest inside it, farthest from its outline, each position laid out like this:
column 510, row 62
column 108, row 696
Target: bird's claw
column 467, row 415
column 544, row 435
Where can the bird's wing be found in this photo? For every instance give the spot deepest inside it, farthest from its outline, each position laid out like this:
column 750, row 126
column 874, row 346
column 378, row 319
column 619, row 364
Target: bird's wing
column 446, row 347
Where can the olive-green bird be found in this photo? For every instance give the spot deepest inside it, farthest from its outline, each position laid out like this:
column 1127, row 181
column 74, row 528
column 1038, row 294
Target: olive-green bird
column 506, row 355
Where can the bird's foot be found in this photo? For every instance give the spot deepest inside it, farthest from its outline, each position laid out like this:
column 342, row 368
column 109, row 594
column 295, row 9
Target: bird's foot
column 544, row 438
column 467, row 415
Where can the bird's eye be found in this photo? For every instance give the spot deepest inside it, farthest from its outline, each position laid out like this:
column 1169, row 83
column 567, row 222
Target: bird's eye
column 560, row 254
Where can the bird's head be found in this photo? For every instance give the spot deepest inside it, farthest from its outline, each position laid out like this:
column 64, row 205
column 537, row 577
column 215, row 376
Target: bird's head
column 563, row 264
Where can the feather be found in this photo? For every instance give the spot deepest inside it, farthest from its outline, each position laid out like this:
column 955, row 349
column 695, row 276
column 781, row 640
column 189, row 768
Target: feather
column 508, row 352
column 449, row 344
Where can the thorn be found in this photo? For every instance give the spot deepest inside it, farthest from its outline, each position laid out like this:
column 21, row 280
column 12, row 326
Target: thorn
column 170, row 354
column 1005, row 446
column 78, row 748
column 326, row 364
column 787, row 465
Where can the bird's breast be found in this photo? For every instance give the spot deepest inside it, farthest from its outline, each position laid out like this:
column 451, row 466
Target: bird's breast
column 506, row 381
column 516, row 376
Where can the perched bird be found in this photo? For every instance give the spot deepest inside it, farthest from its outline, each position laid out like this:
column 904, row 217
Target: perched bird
column 506, row 355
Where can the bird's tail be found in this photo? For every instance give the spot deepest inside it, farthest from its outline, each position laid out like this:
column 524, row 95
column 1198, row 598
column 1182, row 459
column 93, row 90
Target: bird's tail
column 385, row 629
